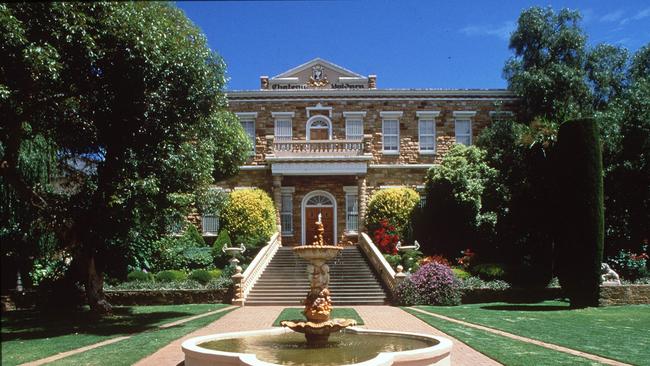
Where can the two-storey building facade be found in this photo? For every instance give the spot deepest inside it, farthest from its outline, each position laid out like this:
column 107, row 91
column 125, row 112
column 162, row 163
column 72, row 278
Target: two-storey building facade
column 325, row 138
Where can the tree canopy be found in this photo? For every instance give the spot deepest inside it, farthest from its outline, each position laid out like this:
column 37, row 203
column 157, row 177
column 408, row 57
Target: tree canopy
column 109, row 109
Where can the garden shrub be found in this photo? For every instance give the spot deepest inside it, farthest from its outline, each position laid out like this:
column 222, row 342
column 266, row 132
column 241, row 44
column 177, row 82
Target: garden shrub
column 215, row 273
column 139, row 276
column 385, row 237
column 249, row 217
column 394, row 205
column 630, row 266
column 581, row 219
column 409, row 260
column 223, row 240
column 488, row 271
column 461, row 274
column 170, row 276
column 473, row 282
column 393, row 259
column 454, row 214
column 201, row 276
column 435, row 258
column 185, row 252
column 432, row 284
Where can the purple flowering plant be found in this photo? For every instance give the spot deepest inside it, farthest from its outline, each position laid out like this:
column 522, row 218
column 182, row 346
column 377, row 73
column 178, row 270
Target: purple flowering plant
column 432, row 284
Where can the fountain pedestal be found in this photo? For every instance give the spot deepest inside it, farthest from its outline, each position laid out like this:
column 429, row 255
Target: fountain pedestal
column 318, row 304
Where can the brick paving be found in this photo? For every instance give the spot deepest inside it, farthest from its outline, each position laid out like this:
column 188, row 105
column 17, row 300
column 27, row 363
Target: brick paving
column 554, row 347
column 262, row 317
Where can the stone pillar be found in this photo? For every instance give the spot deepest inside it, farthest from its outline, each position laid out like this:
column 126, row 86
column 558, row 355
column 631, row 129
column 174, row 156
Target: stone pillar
column 277, row 200
column 237, row 282
column 361, row 184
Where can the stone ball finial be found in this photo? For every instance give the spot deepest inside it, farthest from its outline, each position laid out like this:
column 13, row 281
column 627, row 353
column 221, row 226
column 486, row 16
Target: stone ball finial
column 400, row 268
column 238, row 270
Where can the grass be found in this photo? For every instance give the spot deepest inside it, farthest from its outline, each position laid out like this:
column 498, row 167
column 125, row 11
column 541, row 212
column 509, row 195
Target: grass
column 616, row 332
column 296, row 314
column 507, row 351
column 31, row 335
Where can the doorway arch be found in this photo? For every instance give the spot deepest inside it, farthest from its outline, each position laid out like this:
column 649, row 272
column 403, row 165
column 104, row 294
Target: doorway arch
column 318, row 199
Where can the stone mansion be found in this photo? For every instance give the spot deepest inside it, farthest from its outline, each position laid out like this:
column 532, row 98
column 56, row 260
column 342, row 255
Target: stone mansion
column 325, row 138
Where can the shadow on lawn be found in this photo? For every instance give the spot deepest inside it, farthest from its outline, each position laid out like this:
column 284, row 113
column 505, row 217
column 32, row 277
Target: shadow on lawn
column 31, row 324
column 527, row 307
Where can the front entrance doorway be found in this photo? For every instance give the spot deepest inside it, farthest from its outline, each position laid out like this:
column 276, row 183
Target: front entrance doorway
column 314, row 203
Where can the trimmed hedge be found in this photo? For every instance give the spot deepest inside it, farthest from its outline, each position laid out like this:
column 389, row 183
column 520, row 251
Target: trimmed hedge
column 139, row 276
column 171, row 275
column 394, row 205
column 581, row 211
column 201, row 276
column 249, row 217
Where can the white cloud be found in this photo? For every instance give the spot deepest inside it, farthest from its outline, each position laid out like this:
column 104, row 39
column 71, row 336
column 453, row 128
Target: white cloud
column 612, row 17
column 642, row 14
column 501, row 31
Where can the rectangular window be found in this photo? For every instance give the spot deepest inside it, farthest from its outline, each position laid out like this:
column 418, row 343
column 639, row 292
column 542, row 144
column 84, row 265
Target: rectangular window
column 283, row 130
column 354, row 129
column 390, row 138
column 286, row 214
column 427, row 131
column 464, row 131
column 249, row 127
column 210, row 224
column 352, row 212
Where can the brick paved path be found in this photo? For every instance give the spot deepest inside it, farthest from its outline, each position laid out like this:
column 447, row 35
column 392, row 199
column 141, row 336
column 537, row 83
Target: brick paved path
column 262, row 317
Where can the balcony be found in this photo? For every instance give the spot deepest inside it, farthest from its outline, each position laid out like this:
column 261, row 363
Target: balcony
column 319, row 157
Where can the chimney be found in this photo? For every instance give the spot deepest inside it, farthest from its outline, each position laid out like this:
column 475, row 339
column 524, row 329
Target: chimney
column 372, row 81
column 264, row 82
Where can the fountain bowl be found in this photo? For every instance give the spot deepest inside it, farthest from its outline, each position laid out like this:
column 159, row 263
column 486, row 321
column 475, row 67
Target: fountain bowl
column 317, row 252
column 439, row 354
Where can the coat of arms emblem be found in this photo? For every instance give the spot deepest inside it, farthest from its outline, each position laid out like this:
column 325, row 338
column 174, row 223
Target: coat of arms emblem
column 318, row 77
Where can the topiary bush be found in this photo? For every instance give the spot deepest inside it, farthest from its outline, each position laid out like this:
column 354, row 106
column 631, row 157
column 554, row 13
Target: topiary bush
column 170, row 276
column 580, row 229
column 139, row 276
column 201, row 276
column 250, row 216
column 394, row 205
column 461, row 274
column 223, row 240
column 432, row 284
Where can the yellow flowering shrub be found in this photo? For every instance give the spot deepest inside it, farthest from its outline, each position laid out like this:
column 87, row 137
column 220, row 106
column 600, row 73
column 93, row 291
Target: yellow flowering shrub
column 394, row 205
column 249, row 217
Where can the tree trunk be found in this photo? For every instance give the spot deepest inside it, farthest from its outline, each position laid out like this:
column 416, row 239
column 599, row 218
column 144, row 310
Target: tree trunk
column 95, row 289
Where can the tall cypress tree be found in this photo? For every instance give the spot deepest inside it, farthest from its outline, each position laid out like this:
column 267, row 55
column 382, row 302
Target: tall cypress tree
column 581, row 211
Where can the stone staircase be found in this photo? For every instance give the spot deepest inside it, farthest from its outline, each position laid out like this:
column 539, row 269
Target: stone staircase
column 284, row 281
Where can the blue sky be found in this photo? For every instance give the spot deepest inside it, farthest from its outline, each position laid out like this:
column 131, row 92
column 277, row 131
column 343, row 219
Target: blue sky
column 408, row 44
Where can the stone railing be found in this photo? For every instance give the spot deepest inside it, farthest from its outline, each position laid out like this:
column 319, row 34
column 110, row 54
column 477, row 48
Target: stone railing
column 338, row 148
column 244, row 282
column 388, row 276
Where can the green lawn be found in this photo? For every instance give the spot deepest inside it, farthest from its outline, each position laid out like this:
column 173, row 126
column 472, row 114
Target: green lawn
column 505, row 350
column 296, row 314
column 616, row 332
column 30, row 335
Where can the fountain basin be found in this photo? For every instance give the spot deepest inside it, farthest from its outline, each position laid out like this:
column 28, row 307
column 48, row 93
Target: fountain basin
column 317, row 252
column 353, row 347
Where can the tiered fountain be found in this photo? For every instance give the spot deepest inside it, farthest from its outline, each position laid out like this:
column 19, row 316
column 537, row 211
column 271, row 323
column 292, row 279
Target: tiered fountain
column 354, row 346
column 318, row 304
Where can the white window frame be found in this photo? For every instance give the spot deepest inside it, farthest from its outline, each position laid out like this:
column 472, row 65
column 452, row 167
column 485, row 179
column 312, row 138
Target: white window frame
column 463, row 116
column 426, row 116
column 205, row 226
column 282, row 117
column 351, row 199
column 318, row 118
column 286, row 213
column 246, row 117
column 391, row 116
column 352, row 118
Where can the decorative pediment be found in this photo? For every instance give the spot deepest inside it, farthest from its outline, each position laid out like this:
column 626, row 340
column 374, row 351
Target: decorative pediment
column 318, row 74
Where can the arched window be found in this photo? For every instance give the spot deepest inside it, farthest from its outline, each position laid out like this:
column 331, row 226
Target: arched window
column 319, row 201
column 319, row 128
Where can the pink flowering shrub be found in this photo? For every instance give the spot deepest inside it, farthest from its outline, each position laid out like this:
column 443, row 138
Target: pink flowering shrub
column 432, row 284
